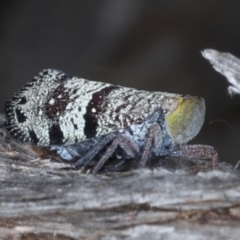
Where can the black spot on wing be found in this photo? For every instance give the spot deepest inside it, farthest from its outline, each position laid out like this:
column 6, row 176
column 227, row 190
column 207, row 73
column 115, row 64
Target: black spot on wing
column 20, row 115
column 93, row 109
column 74, row 125
column 55, row 135
column 33, row 137
column 22, row 101
column 56, row 103
column 91, row 125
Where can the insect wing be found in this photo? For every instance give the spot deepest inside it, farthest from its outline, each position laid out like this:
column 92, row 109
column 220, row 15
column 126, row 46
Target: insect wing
column 57, row 109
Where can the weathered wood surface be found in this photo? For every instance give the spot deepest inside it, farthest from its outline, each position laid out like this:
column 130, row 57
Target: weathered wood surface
column 47, row 199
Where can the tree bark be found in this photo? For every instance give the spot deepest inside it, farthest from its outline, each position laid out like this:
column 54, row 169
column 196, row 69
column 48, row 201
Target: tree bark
column 43, row 198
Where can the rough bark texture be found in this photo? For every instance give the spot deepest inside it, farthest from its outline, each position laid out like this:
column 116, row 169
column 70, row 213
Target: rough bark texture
column 178, row 199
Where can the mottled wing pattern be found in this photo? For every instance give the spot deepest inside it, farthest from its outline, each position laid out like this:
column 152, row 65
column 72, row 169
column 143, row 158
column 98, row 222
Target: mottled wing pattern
column 56, row 109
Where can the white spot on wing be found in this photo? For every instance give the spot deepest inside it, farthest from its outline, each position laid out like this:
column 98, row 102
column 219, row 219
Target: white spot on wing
column 51, row 102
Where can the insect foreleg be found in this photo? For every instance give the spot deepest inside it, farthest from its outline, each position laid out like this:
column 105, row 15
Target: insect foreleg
column 154, row 139
column 197, row 151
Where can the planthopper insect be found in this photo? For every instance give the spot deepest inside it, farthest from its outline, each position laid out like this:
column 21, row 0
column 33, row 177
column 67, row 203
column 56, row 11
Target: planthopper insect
column 81, row 118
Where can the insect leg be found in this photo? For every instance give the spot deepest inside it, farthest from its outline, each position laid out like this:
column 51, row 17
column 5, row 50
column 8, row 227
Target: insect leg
column 125, row 143
column 83, row 161
column 154, row 138
column 129, row 146
column 197, row 151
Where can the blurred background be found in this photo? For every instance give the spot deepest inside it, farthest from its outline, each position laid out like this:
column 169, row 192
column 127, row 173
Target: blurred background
column 146, row 44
